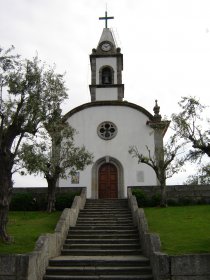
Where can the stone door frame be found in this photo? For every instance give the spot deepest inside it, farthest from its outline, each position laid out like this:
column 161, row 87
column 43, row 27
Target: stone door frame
column 95, row 170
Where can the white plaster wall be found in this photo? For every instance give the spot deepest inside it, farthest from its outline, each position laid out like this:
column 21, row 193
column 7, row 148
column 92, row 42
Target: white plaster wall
column 110, row 61
column 132, row 130
column 106, row 94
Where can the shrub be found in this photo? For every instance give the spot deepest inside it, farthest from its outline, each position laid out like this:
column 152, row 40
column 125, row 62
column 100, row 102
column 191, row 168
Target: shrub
column 155, row 200
column 172, row 202
column 183, row 201
column 141, row 197
column 38, row 202
column 64, row 200
column 23, row 202
column 41, row 202
column 203, row 201
column 144, row 201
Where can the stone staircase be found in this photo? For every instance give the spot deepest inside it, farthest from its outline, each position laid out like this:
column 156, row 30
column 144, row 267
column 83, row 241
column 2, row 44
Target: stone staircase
column 104, row 244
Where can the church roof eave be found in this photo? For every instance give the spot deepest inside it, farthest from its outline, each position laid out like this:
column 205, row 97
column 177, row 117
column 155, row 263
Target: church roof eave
column 107, row 103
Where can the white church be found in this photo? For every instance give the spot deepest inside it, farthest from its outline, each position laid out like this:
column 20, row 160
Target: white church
column 107, row 126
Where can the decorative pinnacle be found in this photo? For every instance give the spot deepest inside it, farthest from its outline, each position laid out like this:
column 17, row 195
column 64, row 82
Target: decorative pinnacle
column 156, row 110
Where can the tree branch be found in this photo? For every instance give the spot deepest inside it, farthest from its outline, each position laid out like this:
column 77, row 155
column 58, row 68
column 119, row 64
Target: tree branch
column 18, row 144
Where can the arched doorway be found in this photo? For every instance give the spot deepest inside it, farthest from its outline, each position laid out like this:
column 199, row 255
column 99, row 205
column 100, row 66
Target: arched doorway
column 95, row 176
column 107, row 181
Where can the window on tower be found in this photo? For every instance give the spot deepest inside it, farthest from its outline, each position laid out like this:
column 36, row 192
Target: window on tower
column 106, row 76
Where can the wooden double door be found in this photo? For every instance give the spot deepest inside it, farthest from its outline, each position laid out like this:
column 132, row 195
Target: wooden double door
column 108, row 181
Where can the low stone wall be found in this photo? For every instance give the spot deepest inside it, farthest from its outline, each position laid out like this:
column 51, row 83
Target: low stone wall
column 180, row 192
column 32, row 266
column 165, row 267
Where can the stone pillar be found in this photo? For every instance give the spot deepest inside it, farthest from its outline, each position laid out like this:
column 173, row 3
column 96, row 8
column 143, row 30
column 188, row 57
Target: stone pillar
column 160, row 127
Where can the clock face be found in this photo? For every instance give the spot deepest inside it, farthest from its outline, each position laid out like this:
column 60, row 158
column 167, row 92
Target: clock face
column 106, row 46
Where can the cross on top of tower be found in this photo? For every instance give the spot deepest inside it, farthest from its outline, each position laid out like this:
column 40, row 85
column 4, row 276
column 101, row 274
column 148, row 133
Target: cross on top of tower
column 106, row 18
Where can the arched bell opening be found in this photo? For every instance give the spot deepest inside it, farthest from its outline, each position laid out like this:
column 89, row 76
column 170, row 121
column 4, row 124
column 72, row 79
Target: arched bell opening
column 106, row 75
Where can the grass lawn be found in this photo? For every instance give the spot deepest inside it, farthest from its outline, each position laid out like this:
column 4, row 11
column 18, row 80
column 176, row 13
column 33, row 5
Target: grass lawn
column 182, row 230
column 26, row 227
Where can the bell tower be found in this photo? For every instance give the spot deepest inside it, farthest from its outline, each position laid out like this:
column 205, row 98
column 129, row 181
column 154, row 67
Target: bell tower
column 106, row 68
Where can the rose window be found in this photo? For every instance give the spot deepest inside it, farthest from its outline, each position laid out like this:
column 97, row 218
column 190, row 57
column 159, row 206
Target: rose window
column 107, row 130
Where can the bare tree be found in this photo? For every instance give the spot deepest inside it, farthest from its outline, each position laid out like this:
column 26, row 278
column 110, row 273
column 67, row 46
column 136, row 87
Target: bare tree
column 201, row 177
column 165, row 162
column 190, row 126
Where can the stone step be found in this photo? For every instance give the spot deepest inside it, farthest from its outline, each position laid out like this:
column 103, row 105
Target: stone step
column 96, row 215
column 107, row 199
column 113, row 204
column 137, row 260
column 98, row 277
column 101, row 236
column 106, row 210
column 100, row 252
column 75, row 231
column 104, row 223
column 99, row 246
column 98, row 270
column 123, row 205
column 103, row 212
column 104, row 218
column 107, row 207
column 104, row 227
column 105, row 203
column 98, row 203
column 102, row 241
column 118, row 225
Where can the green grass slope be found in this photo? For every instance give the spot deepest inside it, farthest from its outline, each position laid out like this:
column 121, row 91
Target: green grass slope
column 26, row 227
column 182, row 230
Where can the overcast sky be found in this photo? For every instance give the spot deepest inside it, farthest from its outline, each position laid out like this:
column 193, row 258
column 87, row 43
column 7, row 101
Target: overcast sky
column 165, row 43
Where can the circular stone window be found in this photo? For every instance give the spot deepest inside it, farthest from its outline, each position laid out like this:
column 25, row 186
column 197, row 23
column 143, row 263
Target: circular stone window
column 107, row 130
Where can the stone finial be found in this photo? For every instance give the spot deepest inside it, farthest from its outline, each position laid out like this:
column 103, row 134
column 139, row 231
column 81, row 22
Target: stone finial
column 156, row 109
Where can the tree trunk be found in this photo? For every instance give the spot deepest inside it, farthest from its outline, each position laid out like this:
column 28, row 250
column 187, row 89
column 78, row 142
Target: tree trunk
column 162, row 180
column 5, row 195
column 163, row 201
column 51, row 194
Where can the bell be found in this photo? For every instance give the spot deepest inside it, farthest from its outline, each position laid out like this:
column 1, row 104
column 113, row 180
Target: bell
column 106, row 80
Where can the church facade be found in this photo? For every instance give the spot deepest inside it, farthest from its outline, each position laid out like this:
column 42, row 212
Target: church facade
column 107, row 126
